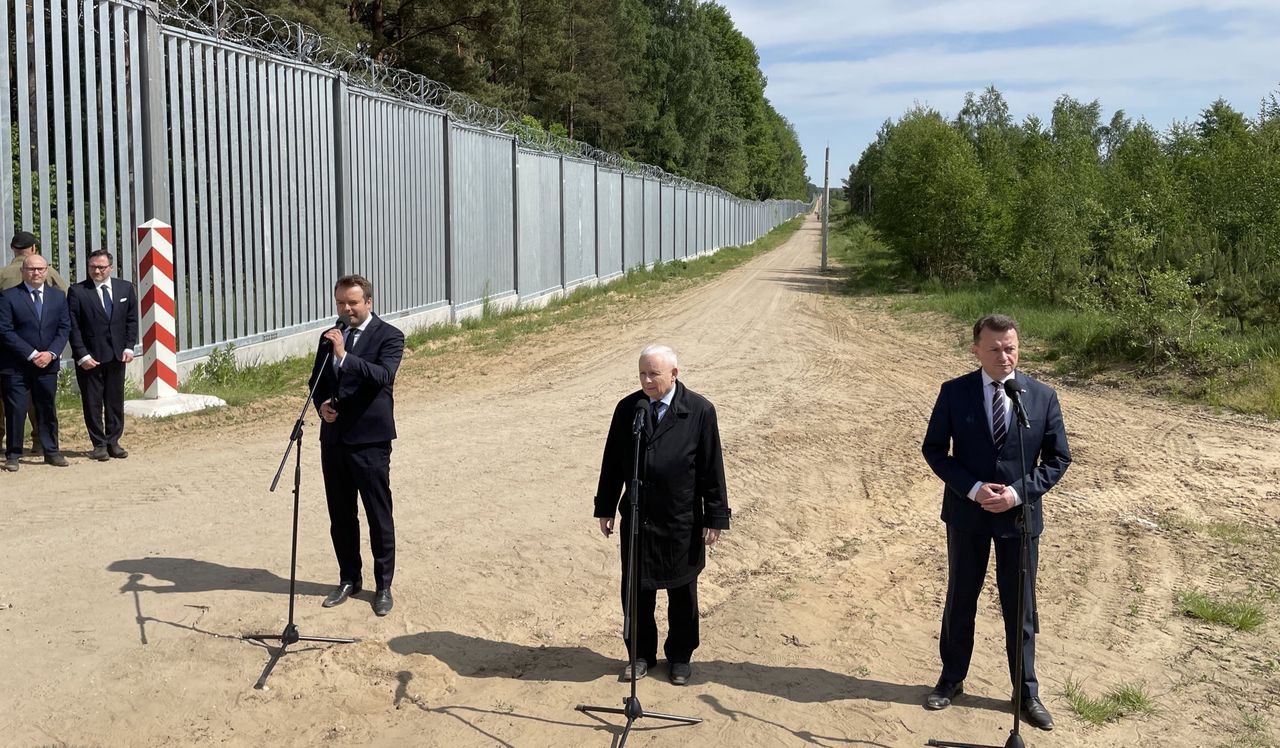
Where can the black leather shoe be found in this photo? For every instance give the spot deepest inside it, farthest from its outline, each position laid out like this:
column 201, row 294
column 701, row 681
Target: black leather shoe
column 1035, row 714
column 55, row 458
column 943, row 694
column 680, row 672
column 341, row 593
column 117, row 451
column 382, row 602
column 99, row 454
column 642, row 669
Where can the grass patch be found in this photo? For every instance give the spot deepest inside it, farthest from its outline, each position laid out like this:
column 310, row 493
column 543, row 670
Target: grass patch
column 1122, row 701
column 1242, row 615
column 1255, row 733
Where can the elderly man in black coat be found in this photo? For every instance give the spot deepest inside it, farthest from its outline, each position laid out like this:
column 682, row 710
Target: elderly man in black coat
column 683, row 506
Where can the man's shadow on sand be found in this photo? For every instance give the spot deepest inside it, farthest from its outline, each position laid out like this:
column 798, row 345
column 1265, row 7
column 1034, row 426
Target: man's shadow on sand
column 474, row 657
column 193, row 575
column 190, row 575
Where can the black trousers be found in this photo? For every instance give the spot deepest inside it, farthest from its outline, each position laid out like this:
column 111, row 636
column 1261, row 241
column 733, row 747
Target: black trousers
column 364, row 470
column 682, row 623
column 40, row 390
column 102, row 395
column 967, row 557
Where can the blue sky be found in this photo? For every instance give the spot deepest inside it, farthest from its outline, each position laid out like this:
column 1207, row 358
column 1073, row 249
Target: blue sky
column 838, row 68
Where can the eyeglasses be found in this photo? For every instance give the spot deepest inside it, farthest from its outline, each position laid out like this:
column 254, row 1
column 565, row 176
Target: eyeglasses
column 99, row 267
column 44, row 269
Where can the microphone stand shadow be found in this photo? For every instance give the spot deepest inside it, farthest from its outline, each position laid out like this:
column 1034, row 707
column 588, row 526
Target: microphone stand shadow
column 142, row 620
column 631, row 707
column 1024, row 569
column 290, row 633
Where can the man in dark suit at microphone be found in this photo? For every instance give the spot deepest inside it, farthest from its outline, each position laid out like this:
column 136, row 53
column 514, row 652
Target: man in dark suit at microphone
column 972, row 445
column 354, row 377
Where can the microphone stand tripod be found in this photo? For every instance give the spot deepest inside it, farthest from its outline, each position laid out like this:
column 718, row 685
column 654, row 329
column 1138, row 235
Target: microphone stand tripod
column 1024, row 570
column 631, row 707
column 290, row 634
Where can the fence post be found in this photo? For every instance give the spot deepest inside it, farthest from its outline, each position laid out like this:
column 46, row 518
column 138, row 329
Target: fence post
column 450, row 292
column 155, row 152
column 563, row 275
column 515, row 218
column 342, row 174
column 160, row 343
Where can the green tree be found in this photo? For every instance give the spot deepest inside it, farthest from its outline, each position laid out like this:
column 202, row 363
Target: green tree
column 932, row 200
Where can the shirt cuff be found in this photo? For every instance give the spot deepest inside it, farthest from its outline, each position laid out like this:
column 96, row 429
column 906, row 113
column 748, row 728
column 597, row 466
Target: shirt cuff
column 33, row 355
column 81, row 360
column 1017, row 500
column 973, row 492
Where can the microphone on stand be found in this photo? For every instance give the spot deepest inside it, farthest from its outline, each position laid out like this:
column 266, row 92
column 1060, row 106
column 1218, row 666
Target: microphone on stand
column 642, row 416
column 1014, row 393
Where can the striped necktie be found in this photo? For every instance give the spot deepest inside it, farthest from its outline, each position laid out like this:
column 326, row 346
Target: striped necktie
column 998, row 427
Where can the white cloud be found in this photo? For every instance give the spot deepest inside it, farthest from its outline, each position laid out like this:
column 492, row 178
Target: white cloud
column 818, row 23
column 1150, row 67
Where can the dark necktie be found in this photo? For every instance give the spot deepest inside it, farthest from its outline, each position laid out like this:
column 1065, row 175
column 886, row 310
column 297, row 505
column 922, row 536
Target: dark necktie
column 35, row 296
column 106, row 299
column 998, row 427
column 352, row 336
column 656, row 405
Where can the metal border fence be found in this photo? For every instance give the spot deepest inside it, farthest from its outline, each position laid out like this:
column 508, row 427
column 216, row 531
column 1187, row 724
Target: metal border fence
column 284, row 164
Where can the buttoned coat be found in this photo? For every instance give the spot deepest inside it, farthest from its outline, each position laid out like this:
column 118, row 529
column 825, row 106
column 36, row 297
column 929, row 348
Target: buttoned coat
column 958, row 445
column 682, row 486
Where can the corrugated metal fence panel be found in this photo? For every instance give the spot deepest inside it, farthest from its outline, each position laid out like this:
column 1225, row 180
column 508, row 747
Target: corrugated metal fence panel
column 638, row 220
column 480, row 172
column 252, row 192
column 71, row 132
column 539, row 222
column 396, row 191
column 677, row 222
column 652, row 221
column 704, row 223
column 667, row 230
column 579, row 220
column 610, row 217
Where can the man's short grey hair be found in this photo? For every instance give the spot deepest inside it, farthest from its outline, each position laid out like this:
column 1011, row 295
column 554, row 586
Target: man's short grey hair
column 665, row 352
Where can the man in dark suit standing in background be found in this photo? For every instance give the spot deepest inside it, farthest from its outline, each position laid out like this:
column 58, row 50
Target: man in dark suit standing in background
column 683, row 508
column 972, row 445
column 22, row 244
column 354, row 396
column 104, row 330
column 34, row 327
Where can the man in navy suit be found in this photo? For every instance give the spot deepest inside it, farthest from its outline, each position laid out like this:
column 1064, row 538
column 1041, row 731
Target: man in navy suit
column 104, row 330
column 354, row 396
column 34, row 326
column 972, row 445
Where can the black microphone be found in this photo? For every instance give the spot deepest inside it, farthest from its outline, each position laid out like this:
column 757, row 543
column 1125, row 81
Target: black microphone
column 341, row 326
column 1014, row 393
column 642, row 416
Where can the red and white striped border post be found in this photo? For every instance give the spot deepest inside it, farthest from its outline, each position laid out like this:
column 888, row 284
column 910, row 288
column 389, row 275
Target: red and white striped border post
column 159, row 338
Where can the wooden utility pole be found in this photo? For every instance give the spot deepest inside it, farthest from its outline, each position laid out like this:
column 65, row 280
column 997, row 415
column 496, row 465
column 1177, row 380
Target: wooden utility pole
column 826, row 198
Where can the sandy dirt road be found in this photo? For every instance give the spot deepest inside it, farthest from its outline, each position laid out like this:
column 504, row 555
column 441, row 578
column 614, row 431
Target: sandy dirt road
column 127, row 585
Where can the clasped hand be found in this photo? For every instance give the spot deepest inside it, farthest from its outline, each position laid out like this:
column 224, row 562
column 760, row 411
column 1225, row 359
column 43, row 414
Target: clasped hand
column 996, row 497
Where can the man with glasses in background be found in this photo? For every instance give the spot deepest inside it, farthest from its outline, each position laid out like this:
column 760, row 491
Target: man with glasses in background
column 24, row 243
column 34, row 328
column 104, row 330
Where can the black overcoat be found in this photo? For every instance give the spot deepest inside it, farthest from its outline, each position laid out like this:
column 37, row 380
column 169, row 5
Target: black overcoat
column 683, row 487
